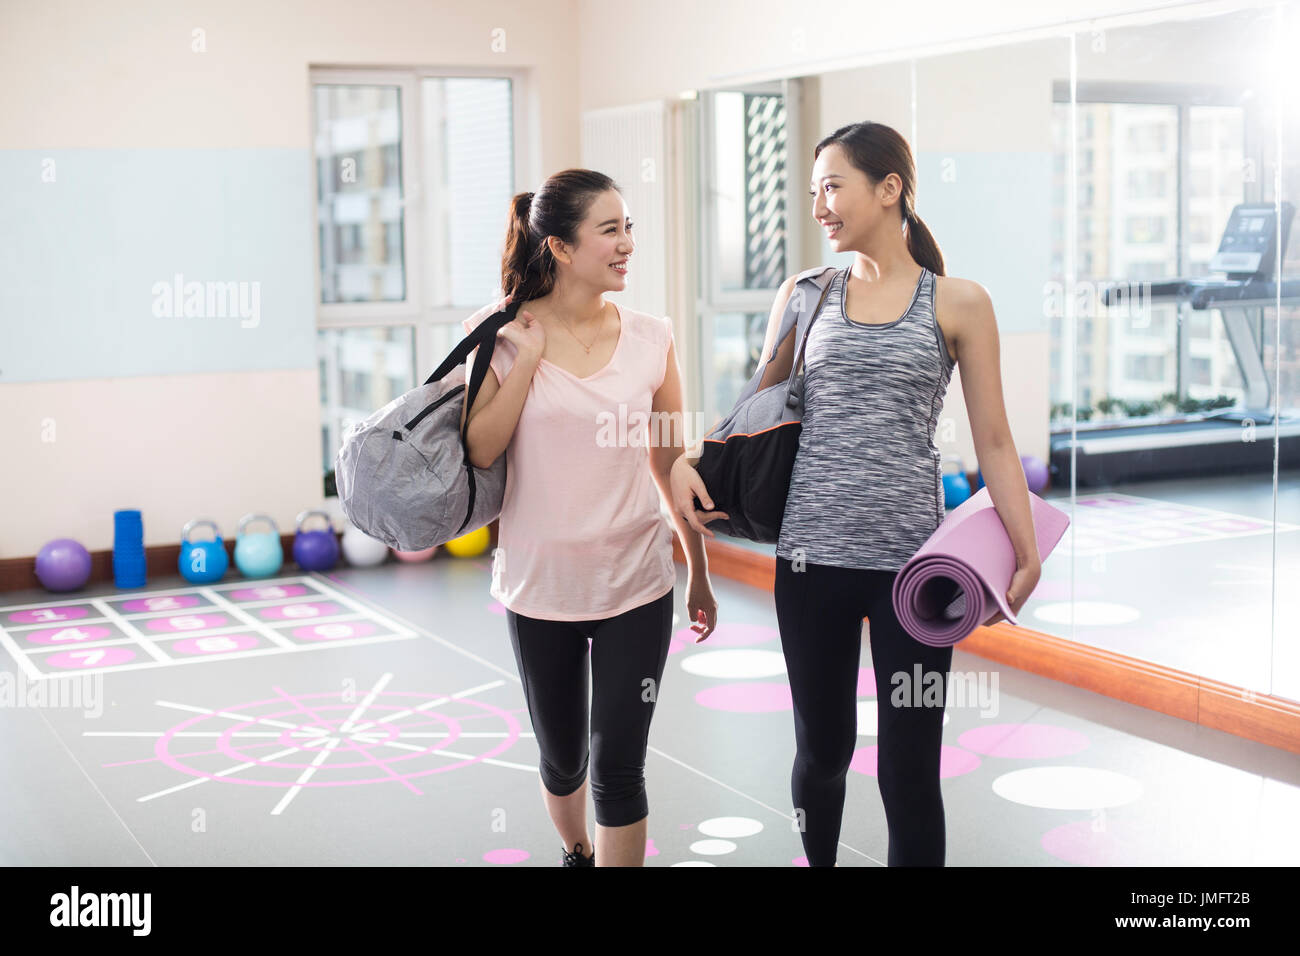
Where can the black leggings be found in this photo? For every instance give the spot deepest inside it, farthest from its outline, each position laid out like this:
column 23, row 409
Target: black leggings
column 820, row 610
column 628, row 652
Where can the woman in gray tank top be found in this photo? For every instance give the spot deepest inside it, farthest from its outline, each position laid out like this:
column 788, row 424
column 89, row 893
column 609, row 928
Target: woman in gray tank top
column 866, row 491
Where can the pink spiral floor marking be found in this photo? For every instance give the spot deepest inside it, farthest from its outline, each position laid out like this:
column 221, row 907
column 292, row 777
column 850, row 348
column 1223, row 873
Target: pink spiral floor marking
column 324, row 710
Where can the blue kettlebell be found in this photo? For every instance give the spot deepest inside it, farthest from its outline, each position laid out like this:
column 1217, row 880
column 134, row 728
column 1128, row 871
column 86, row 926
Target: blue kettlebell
column 202, row 562
column 258, row 554
column 956, row 487
column 315, row 550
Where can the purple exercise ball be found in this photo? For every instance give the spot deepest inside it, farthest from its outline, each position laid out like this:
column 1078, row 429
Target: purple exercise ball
column 1036, row 476
column 63, row 565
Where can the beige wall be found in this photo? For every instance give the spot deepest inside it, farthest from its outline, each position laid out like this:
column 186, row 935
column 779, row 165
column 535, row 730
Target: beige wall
column 122, row 75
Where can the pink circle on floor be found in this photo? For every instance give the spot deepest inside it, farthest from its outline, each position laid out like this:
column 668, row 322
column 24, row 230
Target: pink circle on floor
column 733, row 635
column 749, row 698
column 1097, row 842
column 506, row 856
column 800, row 861
column 496, row 607
column 1023, row 740
column 650, row 848
column 866, row 682
column 953, row 761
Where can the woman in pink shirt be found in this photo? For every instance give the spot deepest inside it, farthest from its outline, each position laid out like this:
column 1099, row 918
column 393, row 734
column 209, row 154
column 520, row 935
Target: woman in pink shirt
column 584, row 551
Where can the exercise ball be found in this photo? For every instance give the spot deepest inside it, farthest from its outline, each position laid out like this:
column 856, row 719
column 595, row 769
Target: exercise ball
column 1035, row 472
column 470, row 545
column 956, row 487
column 361, row 550
column 63, row 565
column 414, row 556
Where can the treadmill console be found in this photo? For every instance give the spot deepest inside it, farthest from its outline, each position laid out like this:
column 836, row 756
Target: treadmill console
column 1247, row 249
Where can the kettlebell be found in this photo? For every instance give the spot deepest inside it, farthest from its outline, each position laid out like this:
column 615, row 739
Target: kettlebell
column 956, row 487
column 315, row 550
column 202, row 562
column 258, row 554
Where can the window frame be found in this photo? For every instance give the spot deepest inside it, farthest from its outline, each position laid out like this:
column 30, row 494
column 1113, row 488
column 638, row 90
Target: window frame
column 710, row 299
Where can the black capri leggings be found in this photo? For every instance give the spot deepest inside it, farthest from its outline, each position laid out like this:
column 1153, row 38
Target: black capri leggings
column 820, row 610
column 628, row 652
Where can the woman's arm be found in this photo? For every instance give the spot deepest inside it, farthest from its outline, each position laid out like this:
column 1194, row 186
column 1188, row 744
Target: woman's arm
column 978, row 354
column 666, row 446
column 497, row 407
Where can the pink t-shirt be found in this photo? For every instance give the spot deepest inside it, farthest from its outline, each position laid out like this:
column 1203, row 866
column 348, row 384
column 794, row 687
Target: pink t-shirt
column 582, row 536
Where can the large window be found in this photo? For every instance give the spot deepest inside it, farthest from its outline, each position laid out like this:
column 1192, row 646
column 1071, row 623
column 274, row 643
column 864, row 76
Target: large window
column 414, row 174
column 748, row 230
column 1158, row 173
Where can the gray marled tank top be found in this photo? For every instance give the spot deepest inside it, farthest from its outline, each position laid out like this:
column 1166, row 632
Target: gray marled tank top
column 867, row 486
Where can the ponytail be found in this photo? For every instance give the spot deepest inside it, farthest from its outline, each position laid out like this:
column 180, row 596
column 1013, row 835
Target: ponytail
column 921, row 244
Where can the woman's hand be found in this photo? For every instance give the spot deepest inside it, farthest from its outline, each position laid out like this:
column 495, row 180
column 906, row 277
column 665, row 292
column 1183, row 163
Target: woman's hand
column 687, row 485
column 525, row 333
column 1022, row 585
column 701, row 605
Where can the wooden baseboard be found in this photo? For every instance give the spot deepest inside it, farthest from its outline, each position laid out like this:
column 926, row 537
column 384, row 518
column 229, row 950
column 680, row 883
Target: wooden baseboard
column 1201, row 700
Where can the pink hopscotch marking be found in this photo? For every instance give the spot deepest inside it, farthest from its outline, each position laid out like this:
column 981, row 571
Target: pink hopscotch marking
column 953, row 761
column 298, row 612
column 90, row 657
column 1023, row 741
column 55, row 636
column 506, row 856
column 749, row 698
column 170, row 602
column 187, row 622
column 326, row 712
column 49, row 615
column 1107, row 501
column 214, row 644
column 1230, row 525
column 268, row 593
column 334, row 631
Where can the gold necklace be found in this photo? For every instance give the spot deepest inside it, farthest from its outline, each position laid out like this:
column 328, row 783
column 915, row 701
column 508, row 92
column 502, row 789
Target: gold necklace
column 588, row 348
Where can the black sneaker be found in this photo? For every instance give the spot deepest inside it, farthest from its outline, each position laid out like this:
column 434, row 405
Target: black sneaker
column 575, row 858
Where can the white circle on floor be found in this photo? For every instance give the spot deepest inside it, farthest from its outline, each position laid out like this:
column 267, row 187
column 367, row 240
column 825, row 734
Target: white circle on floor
column 695, row 863
column 676, row 617
column 1067, row 788
column 713, row 847
column 730, row 827
column 868, row 717
column 735, row 664
column 1093, row 613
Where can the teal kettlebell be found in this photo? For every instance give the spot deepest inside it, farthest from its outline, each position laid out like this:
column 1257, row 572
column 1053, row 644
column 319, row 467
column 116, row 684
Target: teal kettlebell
column 202, row 562
column 258, row 554
column 956, row 487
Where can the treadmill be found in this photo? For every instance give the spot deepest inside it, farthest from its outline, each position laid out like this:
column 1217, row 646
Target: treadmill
column 1208, row 442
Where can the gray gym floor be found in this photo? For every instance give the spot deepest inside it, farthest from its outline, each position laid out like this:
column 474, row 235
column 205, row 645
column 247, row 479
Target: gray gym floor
column 1036, row 773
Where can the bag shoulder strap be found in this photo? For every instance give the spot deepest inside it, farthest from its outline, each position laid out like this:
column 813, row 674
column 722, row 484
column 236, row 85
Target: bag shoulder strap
column 796, row 367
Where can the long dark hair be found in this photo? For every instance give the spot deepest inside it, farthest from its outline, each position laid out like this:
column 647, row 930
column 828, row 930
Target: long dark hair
column 557, row 209
column 879, row 150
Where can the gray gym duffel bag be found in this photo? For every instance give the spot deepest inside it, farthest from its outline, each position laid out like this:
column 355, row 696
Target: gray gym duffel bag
column 403, row 474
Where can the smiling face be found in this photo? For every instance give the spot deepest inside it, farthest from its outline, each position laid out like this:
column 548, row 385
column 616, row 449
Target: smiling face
column 852, row 210
column 603, row 245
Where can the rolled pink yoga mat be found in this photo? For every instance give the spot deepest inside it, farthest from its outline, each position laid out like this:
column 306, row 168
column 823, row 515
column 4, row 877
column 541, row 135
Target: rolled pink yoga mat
column 958, row 579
